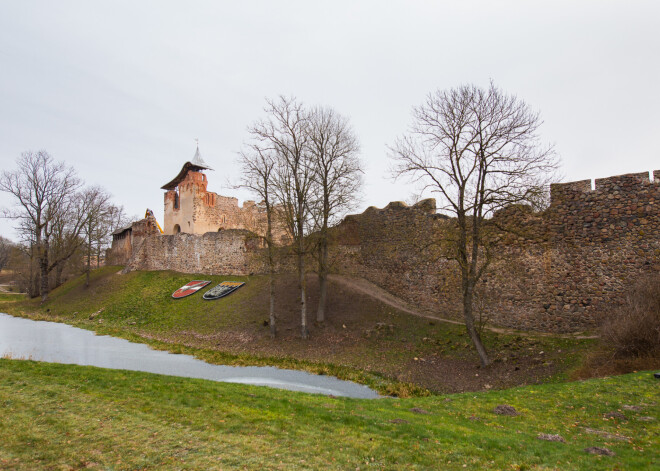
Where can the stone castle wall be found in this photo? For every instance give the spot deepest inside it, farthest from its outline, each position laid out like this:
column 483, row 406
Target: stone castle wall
column 561, row 270
column 233, row 251
column 126, row 243
column 121, row 250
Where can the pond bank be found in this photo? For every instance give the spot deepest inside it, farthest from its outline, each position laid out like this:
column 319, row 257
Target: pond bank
column 60, row 343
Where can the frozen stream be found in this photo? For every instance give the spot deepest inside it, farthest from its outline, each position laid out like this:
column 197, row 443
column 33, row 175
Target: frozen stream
column 60, row 343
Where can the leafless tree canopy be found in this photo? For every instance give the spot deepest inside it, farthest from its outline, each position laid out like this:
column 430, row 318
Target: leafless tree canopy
column 45, row 194
column 337, row 174
column 303, row 163
column 52, row 213
column 337, row 177
column 283, row 137
column 96, row 221
column 478, row 150
column 257, row 166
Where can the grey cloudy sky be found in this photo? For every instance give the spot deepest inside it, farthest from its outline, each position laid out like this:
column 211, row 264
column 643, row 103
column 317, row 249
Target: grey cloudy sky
column 120, row 89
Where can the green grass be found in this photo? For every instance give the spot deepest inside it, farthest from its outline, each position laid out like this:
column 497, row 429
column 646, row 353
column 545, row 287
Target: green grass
column 72, row 417
column 138, row 306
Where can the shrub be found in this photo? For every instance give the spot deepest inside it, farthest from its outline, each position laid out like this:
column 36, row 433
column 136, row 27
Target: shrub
column 635, row 330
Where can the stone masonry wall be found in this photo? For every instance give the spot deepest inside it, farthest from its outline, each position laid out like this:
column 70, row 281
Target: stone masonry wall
column 121, row 250
column 125, row 243
column 231, row 252
column 561, row 270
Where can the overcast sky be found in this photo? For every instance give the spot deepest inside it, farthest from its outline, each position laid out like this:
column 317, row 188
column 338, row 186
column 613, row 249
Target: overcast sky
column 121, row 89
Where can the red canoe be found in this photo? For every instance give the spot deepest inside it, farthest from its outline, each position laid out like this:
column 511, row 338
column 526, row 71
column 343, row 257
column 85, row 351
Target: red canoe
column 190, row 288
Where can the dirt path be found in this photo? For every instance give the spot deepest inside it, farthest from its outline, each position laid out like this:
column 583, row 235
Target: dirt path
column 366, row 287
column 4, row 290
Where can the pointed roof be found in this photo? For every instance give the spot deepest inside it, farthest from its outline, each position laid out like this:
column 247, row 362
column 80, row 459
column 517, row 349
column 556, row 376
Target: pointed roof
column 196, row 165
column 198, row 161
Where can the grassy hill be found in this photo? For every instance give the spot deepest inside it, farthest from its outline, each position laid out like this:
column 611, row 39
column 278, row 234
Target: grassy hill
column 364, row 339
column 71, row 417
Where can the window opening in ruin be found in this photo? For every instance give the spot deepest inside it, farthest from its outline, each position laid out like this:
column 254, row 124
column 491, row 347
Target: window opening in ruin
column 177, row 228
column 176, row 199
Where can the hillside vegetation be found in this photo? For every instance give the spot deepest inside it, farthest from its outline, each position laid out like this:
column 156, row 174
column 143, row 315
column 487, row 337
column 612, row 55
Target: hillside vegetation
column 71, row 417
column 363, row 339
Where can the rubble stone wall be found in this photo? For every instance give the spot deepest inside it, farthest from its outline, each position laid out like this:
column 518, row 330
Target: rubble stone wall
column 127, row 242
column 234, row 251
column 561, row 270
column 121, row 250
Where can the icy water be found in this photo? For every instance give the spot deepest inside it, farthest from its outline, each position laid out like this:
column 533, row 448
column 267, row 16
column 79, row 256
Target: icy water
column 60, row 343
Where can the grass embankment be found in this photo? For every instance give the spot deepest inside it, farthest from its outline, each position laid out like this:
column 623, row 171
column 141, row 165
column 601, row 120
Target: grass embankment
column 71, row 417
column 363, row 339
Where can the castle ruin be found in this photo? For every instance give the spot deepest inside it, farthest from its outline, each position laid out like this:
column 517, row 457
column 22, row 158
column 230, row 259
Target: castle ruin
column 191, row 209
column 194, row 214
column 559, row 270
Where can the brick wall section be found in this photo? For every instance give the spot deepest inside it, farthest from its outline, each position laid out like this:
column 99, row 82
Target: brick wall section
column 561, row 270
column 230, row 252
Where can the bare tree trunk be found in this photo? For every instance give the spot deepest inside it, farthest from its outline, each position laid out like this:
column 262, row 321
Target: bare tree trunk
column 271, row 273
column 271, row 286
column 58, row 274
column 323, row 279
column 34, row 285
column 468, row 263
column 33, row 282
column 304, row 332
column 89, row 259
column 43, row 267
column 468, row 315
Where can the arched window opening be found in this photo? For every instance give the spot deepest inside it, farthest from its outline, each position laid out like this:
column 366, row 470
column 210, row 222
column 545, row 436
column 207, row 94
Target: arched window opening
column 177, row 228
column 176, row 200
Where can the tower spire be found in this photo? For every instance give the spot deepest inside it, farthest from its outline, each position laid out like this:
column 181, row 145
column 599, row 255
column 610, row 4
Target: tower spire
column 197, row 159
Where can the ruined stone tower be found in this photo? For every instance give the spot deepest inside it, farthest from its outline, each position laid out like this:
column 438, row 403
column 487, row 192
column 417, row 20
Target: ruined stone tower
column 191, row 209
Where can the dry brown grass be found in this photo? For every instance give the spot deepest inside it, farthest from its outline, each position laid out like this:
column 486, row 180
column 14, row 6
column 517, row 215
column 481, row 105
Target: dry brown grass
column 6, row 276
column 11, row 356
column 630, row 339
column 634, row 332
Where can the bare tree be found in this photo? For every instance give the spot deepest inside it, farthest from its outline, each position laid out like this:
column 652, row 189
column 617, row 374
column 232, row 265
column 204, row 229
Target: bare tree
column 6, row 246
column 96, row 202
column 67, row 239
column 115, row 218
column 478, row 149
column 337, row 176
column 26, row 265
column 284, row 134
column 44, row 191
column 257, row 165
